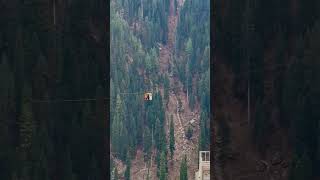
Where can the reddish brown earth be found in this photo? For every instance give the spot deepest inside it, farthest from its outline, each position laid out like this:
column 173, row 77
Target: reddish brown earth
column 180, row 119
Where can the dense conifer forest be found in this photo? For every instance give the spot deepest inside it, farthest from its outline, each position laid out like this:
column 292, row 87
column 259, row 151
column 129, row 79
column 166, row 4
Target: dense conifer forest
column 267, row 95
column 53, row 59
column 158, row 46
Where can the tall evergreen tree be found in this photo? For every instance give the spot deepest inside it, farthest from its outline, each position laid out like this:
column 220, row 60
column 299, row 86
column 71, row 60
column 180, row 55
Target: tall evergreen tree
column 118, row 131
column 147, row 143
column 27, row 124
column 172, row 139
column 184, row 169
column 128, row 168
column 163, row 171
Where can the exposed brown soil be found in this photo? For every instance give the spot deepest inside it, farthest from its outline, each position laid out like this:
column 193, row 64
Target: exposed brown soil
column 140, row 170
column 183, row 146
column 119, row 164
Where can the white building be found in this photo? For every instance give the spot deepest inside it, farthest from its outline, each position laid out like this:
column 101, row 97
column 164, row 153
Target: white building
column 204, row 166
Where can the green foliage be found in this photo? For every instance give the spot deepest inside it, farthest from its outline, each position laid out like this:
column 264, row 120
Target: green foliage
column 147, row 143
column 151, row 17
column 163, row 171
column 157, row 134
column 192, row 61
column 172, row 139
column 184, row 169
column 135, row 67
column 192, row 30
column 42, row 64
column 133, row 58
column 204, row 139
column 166, row 86
column 189, row 48
column 179, row 103
column 189, row 132
column 119, row 132
column 192, row 101
column 27, row 124
column 128, row 168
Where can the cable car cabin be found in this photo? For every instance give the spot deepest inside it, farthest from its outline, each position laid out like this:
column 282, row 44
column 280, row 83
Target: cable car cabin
column 147, row 96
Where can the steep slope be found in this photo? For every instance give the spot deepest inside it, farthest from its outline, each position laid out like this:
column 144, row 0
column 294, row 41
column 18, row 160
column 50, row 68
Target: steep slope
column 141, row 129
column 237, row 156
column 183, row 146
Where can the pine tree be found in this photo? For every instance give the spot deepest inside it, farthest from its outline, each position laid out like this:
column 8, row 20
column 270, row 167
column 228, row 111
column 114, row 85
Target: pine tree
column 118, row 130
column 192, row 100
column 147, row 143
column 163, row 173
column 203, row 137
column 27, row 124
column 172, row 139
column 166, row 88
column 189, row 132
column 127, row 172
column 189, row 48
column 184, row 169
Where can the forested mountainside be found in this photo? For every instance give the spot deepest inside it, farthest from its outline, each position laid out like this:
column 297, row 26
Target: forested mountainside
column 53, row 58
column 193, row 60
column 267, row 97
column 159, row 46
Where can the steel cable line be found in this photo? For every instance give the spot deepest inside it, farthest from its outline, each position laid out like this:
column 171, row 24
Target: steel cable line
column 274, row 68
column 94, row 99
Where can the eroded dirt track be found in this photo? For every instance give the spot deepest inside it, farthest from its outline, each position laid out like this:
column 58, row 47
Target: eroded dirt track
column 183, row 146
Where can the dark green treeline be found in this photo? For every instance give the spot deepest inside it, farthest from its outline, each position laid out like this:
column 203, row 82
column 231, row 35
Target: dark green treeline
column 274, row 45
column 51, row 52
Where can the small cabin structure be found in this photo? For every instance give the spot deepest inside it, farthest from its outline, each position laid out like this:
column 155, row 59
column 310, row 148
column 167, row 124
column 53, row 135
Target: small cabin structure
column 148, row 96
column 204, row 166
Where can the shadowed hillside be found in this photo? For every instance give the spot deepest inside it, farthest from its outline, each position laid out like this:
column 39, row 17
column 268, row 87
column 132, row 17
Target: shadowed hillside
column 267, row 90
column 53, row 60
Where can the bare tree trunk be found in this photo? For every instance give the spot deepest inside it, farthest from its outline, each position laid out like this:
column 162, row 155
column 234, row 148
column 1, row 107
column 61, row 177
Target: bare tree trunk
column 249, row 96
column 54, row 12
